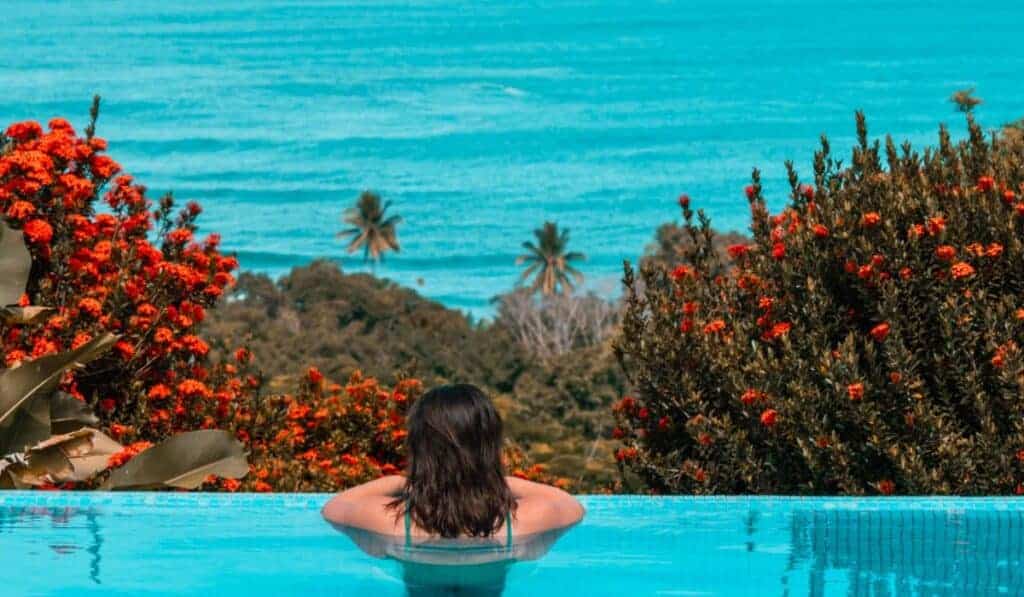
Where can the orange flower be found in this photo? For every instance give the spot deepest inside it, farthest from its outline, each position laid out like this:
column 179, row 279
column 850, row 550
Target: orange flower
column 769, row 417
column 961, row 270
column 871, row 219
column 855, row 390
column 777, row 331
column 714, row 327
column 750, row 396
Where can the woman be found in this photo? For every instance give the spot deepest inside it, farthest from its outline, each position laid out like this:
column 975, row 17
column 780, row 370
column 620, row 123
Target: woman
column 456, row 488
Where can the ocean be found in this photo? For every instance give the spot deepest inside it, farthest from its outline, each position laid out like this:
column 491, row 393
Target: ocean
column 481, row 120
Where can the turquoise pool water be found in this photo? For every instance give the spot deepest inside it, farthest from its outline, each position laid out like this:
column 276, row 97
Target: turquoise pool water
column 159, row 544
column 483, row 119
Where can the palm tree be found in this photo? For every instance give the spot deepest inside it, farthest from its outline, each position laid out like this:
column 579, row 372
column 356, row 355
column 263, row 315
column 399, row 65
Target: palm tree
column 549, row 263
column 965, row 100
column 370, row 230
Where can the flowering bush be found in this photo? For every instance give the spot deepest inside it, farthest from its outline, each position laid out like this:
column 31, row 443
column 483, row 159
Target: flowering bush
column 866, row 340
column 100, row 272
column 328, row 437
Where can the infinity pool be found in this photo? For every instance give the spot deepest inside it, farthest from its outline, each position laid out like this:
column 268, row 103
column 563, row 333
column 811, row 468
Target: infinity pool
column 170, row 543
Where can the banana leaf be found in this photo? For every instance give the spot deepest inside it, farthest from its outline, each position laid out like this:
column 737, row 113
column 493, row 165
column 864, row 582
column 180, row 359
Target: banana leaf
column 21, row 383
column 27, row 426
column 75, row 456
column 15, row 265
column 68, row 414
column 183, row 461
column 23, row 315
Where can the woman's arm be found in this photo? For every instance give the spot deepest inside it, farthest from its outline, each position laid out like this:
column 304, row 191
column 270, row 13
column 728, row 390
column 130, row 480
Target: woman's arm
column 348, row 507
column 543, row 507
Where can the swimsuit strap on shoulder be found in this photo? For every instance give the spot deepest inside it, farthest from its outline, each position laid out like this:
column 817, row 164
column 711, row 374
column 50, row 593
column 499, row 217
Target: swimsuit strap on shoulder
column 408, row 526
column 508, row 527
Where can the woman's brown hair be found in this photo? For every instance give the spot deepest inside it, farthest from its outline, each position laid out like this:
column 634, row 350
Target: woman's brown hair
column 455, row 483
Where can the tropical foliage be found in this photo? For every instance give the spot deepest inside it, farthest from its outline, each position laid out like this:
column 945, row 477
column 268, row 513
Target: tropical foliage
column 549, row 263
column 372, row 229
column 44, row 435
column 866, row 340
column 555, row 409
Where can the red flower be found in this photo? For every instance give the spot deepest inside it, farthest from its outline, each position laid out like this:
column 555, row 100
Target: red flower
column 807, row 191
column 769, row 417
column 750, row 396
column 855, row 390
column 945, row 253
column 870, row 219
column 880, row 332
column 618, row 433
column 24, row 131
column 778, row 251
column 684, row 201
column 314, row 376
column 664, row 423
column 820, row 231
column 737, row 251
column 886, row 487
column 38, row 232
column 159, row 392
column 681, row 271
column 986, row 183
column 750, row 191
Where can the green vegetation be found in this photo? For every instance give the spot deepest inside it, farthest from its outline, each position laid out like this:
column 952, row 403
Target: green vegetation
column 866, row 340
column 557, row 409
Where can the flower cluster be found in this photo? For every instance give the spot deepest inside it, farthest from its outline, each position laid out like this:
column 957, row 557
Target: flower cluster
column 864, row 341
column 98, row 271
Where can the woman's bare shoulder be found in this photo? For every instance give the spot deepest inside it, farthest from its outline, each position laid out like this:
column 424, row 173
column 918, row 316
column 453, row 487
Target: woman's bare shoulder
column 367, row 507
column 541, row 508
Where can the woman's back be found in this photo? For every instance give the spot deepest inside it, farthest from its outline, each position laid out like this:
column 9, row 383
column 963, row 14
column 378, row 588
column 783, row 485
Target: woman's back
column 455, row 486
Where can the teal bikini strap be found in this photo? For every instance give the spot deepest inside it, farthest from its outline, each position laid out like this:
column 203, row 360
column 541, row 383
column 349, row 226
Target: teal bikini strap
column 408, row 525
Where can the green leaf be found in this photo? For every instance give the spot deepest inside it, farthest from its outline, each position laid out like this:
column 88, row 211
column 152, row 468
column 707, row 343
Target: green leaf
column 15, row 265
column 184, row 461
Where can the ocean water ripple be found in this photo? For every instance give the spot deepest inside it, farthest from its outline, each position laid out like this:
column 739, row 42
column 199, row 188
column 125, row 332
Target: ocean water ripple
column 482, row 120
